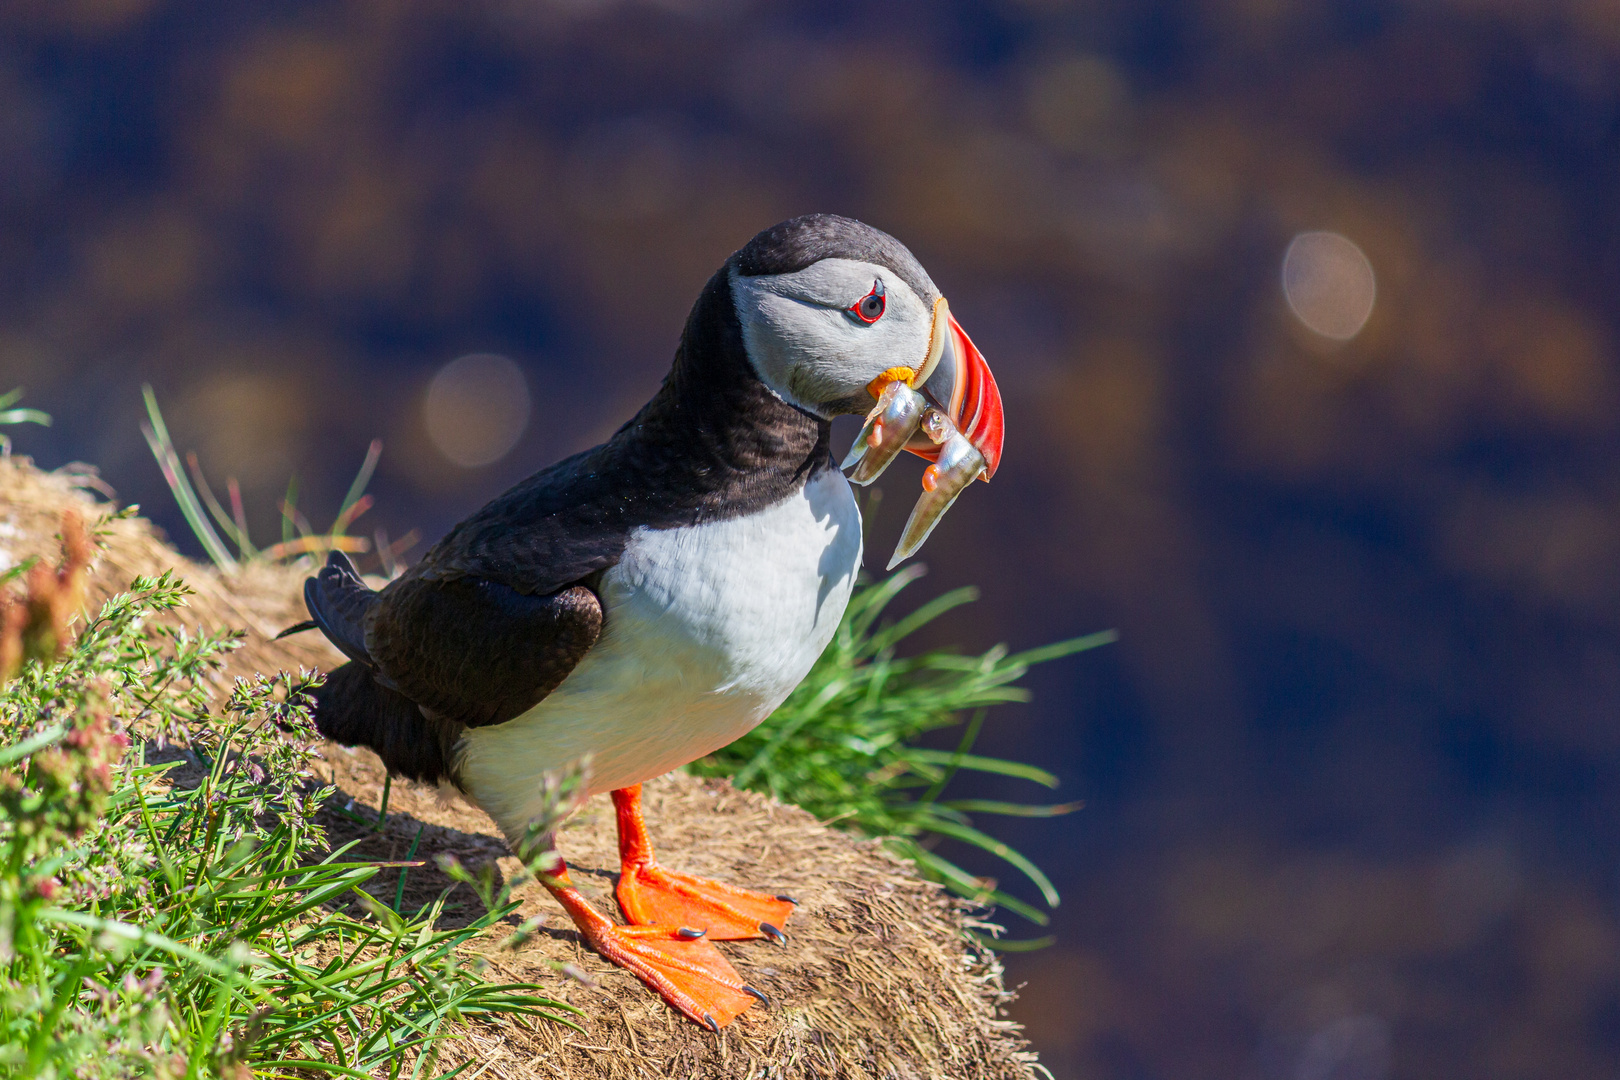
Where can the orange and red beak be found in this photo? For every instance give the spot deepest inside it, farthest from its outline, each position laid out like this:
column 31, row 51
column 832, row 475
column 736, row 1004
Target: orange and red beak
column 948, row 411
column 957, row 380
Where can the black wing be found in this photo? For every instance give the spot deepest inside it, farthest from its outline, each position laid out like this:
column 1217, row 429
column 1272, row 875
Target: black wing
column 430, row 658
column 473, row 651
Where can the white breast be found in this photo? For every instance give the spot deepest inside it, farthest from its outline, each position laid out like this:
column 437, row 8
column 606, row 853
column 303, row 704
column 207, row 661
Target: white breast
column 706, row 630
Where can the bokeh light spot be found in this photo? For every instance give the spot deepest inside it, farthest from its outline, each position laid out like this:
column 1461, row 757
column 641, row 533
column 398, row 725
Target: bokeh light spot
column 1329, row 284
column 477, row 408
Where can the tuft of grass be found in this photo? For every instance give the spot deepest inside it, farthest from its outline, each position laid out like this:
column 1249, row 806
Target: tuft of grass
column 219, row 529
column 846, row 745
column 9, row 414
column 168, row 905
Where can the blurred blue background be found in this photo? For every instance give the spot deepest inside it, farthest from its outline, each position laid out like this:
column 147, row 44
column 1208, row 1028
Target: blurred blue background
column 1353, row 772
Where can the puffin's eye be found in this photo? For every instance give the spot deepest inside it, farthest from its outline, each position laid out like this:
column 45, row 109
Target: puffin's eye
column 869, row 308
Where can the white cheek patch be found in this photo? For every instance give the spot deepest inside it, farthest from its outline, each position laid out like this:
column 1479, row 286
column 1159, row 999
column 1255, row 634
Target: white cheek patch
column 807, row 346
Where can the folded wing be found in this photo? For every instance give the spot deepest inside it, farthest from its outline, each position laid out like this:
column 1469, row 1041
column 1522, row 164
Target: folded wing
column 429, row 658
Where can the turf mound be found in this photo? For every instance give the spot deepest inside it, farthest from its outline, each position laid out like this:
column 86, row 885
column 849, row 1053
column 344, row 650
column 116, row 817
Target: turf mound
column 876, row 980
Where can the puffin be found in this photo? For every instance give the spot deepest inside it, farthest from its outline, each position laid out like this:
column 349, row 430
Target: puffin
column 648, row 601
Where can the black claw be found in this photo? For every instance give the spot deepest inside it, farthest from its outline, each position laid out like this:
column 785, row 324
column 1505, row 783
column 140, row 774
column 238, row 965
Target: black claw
column 773, row 933
column 690, row 933
column 761, row 998
column 708, row 1022
column 788, row 900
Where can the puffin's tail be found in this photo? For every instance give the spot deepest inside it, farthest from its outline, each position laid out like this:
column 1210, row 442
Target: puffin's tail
column 338, row 600
column 352, row 707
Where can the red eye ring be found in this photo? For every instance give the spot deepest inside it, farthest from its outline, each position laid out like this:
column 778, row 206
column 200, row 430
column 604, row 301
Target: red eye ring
column 869, row 308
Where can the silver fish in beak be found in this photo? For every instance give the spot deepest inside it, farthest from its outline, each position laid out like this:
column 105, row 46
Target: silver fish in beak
column 889, row 428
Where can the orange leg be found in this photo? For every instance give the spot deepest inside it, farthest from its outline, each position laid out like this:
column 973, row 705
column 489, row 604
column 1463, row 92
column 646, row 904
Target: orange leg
column 687, row 971
column 651, row 895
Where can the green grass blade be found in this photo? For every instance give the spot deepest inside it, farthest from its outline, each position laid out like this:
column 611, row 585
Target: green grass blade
column 310, row 1065
column 235, row 531
column 971, row 888
column 32, row 744
column 126, row 932
column 1009, row 809
column 15, row 572
column 1059, row 649
column 1003, row 945
column 968, row 834
column 976, row 763
column 289, row 512
column 162, row 447
column 399, row 889
column 357, row 488
column 924, row 615
column 867, row 605
column 762, row 759
column 9, row 415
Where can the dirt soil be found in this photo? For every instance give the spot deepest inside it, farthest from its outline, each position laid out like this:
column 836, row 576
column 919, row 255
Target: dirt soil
column 877, row 978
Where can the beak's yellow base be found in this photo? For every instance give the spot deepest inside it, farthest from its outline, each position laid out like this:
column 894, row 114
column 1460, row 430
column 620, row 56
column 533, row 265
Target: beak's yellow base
column 895, row 374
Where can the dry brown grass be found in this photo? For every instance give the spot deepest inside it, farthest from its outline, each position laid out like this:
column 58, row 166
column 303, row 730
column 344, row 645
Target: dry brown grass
column 876, row 980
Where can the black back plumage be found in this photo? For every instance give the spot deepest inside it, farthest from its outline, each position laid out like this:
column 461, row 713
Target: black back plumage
column 498, row 612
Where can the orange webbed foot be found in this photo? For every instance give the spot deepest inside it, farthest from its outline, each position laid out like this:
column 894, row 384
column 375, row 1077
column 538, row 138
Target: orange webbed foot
column 651, row 895
column 686, row 971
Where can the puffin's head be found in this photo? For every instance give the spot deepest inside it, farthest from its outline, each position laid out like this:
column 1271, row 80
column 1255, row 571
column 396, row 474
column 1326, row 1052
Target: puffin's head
column 833, row 312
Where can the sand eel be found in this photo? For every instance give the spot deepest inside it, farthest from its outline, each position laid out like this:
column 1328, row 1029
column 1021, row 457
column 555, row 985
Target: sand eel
column 648, row 601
